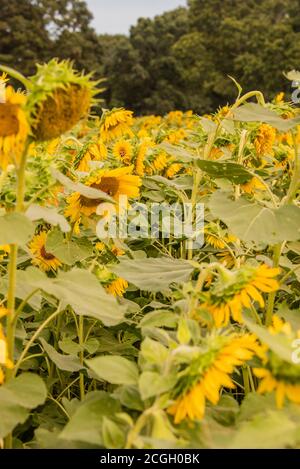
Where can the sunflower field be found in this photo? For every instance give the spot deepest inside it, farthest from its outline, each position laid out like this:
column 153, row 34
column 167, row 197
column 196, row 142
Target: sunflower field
column 141, row 340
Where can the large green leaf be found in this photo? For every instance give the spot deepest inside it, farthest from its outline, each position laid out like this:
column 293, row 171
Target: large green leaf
column 17, row 398
column 86, row 191
column 15, row 228
column 236, row 173
column 252, row 112
column 253, row 222
column 50, row 215
column 86, row 423
column 279, row 344
column 152, row 384
column 82, row 291
column 114, row 369
column 154, row 274
column 63, row 362
column 69, row 252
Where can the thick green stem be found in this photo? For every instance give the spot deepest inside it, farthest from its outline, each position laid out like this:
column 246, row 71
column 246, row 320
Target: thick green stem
column 81, row 356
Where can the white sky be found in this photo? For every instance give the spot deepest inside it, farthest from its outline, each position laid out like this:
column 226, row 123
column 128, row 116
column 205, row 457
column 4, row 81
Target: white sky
column 116, row 16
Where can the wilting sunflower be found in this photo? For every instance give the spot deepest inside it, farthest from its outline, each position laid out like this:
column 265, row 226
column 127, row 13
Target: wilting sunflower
column 173, row 170
column 14, row 127
column 114, row 182
column 59, row 98
column 160, row 162
column 117, row 287
column 252, row 186
column 214, row 240
column 228, row 298
column 95, row 151
column 205, row 376
column 4, row 358
column 278, row 375
column 41, row 258
column 115, row 124
column 264, row 140
column 123, row 151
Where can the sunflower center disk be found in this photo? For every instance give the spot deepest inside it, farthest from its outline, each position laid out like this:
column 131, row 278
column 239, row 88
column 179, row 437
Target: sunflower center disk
column 9, row 123
column 46, row 255
column 109, row 185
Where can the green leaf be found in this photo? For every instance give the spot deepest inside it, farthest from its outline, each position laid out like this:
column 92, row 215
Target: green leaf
column 50, row 215
column 159, row 318
column 15, row 228
column 154, row 274
column 86, row 191
column 253, row 222
column 152, row 384
column 279, row 344
column 273, row 430
column 82, row 291
column 86, row 423
column 113, row 434
column 252, row 112
column 17, row 398
column 114, row 369
column 69, row 252
column 63, row 362
column 234, row 172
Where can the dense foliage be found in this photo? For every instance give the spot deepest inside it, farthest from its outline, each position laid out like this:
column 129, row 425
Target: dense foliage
column 179, row 60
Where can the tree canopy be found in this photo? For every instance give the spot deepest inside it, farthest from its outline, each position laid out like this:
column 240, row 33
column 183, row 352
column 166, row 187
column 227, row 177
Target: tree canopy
column 181, row 59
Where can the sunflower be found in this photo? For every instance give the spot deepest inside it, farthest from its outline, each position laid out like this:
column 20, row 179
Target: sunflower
column 59, row 98
column 252, row 186
column 209, row 372
column 214, row 240
column 160, row 162
column 173, row 170
column 4, row 250
column 96, row 151
column 264, row 140
column 14, row 128
column 247, row 284
column 139, row 162
column 123, row 151
column 176, row 136
column 4, row 358
column 278, row 375
column 116, row 124
column 117, row 287
column 114, row 182
column 41, row 258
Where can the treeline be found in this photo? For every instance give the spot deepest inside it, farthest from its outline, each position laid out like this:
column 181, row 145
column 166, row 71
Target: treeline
column 179, row 60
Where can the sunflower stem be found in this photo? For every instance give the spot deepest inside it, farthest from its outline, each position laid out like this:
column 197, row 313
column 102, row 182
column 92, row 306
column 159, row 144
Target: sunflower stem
column 81, row 355
column 12, row 276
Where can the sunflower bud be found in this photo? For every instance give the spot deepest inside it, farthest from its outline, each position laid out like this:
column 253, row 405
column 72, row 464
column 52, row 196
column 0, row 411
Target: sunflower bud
column 60, row 97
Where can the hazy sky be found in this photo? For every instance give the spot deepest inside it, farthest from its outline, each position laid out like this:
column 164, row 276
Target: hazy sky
column 116, row 16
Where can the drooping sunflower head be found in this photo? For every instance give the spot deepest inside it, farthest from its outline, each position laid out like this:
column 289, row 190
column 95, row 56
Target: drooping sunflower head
column 237, row 290
column 40, row 257
column 14, row 127
column 280, row 375
column 59, row 98
column 264, row 140
column 208, row 372
column 115, row 124
column 117, row 287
